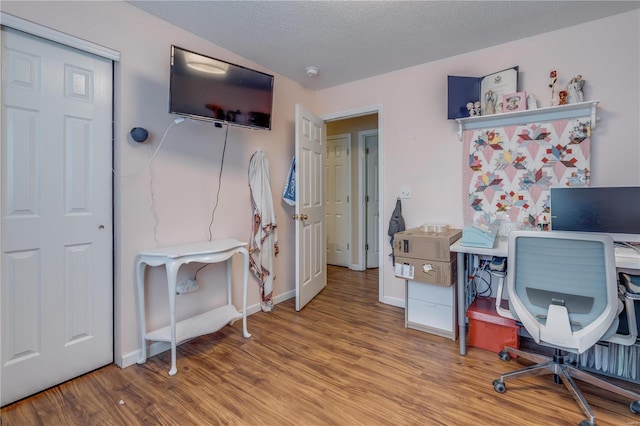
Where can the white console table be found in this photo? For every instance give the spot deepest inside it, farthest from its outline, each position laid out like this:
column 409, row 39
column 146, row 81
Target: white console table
column 208, row 322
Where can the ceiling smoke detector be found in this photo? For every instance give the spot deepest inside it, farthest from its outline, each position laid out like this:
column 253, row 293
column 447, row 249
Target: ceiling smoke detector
column 312, row 71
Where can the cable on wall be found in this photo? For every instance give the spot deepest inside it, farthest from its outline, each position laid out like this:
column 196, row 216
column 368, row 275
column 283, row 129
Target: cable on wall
column 213, row 211
column 148, row 165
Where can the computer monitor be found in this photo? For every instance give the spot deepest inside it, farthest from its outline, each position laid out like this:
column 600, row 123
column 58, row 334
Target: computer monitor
column 611, row 210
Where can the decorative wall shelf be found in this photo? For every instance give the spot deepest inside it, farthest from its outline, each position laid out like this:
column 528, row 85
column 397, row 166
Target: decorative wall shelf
column 561, row 112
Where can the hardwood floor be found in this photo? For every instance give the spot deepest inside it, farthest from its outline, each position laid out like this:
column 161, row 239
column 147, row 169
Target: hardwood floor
column 345, row 359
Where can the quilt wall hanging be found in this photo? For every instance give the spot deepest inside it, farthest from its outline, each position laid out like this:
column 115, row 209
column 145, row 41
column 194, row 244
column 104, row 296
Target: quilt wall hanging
column 508, row 171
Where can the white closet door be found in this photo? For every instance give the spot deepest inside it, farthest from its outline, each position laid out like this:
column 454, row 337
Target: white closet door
column 57, row 284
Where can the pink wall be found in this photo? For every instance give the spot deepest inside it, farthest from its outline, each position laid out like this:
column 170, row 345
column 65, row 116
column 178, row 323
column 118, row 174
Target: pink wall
column 185, row 170
column 420, row 146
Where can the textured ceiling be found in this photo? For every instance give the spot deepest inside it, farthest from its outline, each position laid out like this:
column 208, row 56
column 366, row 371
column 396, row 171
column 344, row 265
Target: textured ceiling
column 351, row 40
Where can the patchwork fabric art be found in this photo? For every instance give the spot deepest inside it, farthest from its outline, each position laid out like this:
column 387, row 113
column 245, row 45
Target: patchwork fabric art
column 508, row 171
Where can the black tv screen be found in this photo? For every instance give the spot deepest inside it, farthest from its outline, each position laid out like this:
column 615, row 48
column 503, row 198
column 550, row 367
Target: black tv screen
column 210, row 89
column 611, row 210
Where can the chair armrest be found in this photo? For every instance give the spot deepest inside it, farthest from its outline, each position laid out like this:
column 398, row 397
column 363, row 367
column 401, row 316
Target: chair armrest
column 630, row 309
column 499, row 309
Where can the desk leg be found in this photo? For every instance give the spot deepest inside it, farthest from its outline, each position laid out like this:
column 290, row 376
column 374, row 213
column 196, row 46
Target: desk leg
column 245, row 272
column 140, row 268
column 172, row 273
column 462, row 311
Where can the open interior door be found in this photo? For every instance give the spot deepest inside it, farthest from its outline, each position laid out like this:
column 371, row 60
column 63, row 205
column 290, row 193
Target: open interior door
column 311, row 256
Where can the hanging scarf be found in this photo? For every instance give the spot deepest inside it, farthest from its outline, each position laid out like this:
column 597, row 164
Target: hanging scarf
column 263, row 246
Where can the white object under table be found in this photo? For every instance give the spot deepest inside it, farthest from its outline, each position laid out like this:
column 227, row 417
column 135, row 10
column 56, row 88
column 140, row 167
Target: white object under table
column 207, row 322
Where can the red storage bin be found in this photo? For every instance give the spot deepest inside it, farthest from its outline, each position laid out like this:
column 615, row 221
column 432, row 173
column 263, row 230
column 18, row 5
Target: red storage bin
column 487, row 329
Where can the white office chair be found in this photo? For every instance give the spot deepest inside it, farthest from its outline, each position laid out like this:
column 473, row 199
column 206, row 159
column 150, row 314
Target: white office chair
column 562, row 287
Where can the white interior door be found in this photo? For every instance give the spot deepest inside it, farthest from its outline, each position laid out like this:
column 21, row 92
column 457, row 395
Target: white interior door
column 311, row 260
column 337, row 205
column 56, row 228
column 372, row 202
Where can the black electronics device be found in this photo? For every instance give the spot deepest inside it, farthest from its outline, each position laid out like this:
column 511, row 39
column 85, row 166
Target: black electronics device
column 206, row 88
column 611, row 210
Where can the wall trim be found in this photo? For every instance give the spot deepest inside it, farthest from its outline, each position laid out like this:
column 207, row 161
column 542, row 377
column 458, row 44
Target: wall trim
column 57, row 36
column 394, row 301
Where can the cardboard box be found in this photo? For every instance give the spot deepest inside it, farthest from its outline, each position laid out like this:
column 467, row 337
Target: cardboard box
column 429, row 271
column 415, row 244
column 487, row 329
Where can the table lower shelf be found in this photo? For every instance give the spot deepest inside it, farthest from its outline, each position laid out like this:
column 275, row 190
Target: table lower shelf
column 205, row 323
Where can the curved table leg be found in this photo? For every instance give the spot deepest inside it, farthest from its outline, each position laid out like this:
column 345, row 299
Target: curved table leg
column 172, row 273
column 140, row 268
column 245, row 272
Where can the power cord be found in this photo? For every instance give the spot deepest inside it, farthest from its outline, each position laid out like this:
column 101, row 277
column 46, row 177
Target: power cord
column 213, row 211
column 148, row 165
column 479, row 274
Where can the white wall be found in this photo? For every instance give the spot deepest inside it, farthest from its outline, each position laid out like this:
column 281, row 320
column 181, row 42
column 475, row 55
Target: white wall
column 420, row 146
column 185, row 171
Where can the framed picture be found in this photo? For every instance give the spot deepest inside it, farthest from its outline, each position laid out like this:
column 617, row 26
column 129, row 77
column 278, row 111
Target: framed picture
column 494, row 85
column 514, row 102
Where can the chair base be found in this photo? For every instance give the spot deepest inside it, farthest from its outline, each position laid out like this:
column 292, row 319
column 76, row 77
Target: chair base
column 564, row 373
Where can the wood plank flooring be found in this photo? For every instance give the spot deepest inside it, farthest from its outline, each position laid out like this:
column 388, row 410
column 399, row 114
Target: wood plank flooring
column 345, row 359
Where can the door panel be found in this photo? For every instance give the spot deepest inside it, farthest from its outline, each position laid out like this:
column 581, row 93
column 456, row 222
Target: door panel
column 57, row 284
column 310, row 153
column 337, row 206
column 373, row 202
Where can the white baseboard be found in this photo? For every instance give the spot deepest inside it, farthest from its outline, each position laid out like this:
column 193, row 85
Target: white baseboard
column 156, row 348
column 394, row 301
column 356, row 267
column 284, row 296
column 153, row 349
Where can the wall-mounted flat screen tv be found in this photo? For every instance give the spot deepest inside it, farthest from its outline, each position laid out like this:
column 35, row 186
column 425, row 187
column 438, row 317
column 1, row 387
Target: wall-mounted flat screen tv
column 210, row 89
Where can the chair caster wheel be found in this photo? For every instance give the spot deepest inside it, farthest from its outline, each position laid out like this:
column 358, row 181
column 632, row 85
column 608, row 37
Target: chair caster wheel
column 499, row 386
column 586, row 423
column 504, row 355
column 635, row 407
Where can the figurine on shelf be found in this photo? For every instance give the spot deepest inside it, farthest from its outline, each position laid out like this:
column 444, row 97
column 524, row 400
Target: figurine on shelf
column 531, row 102
column 563, row 97
column 490, row 103
column 574, row 90
column 476, row 106
column 553, row 75
column 472, row 112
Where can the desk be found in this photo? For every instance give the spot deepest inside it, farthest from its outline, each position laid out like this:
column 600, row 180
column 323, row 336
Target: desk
column 501, row 250
column 172, row 258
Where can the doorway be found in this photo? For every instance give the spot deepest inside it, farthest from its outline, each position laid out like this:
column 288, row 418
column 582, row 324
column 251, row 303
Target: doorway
column 362, row 192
